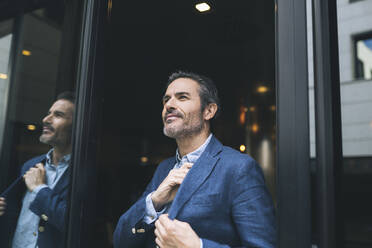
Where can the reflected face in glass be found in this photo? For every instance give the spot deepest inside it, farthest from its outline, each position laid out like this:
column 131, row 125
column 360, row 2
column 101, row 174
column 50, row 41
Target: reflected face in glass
column 57, row 125
column 182, row 114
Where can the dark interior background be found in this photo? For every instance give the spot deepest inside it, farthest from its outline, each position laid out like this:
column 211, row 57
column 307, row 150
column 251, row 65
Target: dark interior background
column 233, row 44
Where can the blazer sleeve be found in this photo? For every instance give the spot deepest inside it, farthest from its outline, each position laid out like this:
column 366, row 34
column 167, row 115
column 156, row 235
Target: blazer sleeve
column 252, row 209
column 8, row 221
column 126, row 232
column 53, row 205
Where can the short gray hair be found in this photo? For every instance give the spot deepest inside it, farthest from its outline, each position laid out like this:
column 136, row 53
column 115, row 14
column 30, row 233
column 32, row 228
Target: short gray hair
column 208, row 91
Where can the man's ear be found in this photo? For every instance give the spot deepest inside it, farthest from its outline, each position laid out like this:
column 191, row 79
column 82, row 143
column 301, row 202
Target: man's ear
column 210, row 111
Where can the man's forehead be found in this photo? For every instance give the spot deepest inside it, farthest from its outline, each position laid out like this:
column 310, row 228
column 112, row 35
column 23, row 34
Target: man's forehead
column 62, row 105
column 186, row 85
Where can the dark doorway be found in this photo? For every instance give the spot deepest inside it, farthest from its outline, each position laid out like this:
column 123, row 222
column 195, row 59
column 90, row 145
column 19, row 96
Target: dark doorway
column 233, row 43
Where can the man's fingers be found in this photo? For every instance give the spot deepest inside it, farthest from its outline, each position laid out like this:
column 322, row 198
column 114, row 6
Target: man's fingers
column 177, row 222
column 28, row 173
column 178, row 179
column 32, row 170
column 158, row 235
column 166, row 190
column 183, row 171
column 160, row 230
column 162, row 221
column 165, row 221
column 181, row 224
column 158, row 242
column 186, row 165
column 180, row 173
column 40, row 166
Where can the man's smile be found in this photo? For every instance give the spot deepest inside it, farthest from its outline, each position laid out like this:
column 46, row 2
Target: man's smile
column 47, row 129
column 171, row 117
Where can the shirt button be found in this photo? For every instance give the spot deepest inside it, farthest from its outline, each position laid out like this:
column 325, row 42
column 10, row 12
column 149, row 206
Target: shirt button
column 41, row 229
column 34, row 233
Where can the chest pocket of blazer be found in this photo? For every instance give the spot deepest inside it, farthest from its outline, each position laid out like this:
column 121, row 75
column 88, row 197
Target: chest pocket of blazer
column 205, row 200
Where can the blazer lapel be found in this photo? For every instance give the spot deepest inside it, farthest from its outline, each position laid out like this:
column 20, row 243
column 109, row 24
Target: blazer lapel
column 63, row 181
column 196, row 176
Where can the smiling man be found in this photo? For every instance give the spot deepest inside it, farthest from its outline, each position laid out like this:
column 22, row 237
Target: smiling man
column 38, row 219
column 207, row 195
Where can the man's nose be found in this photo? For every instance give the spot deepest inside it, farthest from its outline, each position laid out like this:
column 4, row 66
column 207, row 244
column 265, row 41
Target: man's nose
column 46, row 119
column 170, row 104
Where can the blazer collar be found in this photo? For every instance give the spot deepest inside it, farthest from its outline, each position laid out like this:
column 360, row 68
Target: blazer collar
column 196, row 176
column 64, row 181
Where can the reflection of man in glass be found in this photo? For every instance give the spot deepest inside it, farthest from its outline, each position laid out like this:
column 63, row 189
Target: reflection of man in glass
column 39, row 219
column 208, row 195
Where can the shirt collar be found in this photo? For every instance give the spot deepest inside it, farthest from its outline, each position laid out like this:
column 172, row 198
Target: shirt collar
column 64, row 161
column 194, row 155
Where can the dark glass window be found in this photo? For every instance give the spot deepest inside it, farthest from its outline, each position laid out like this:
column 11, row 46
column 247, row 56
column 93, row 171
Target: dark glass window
column 36, row 61
column 230, row 43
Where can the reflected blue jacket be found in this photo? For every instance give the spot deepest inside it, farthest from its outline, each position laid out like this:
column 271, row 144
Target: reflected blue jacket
column 223, row 198
column 51, row 204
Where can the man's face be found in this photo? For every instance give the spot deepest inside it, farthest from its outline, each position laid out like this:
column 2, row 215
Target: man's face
column 182, row 113
column 57, row 125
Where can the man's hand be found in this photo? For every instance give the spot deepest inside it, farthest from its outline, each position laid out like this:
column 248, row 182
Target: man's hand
column 173, row 233
column 167, row 190
column 35, row 176
column 2, row 206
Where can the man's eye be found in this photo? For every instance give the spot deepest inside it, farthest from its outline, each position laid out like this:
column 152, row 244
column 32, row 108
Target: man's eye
column 182, row 97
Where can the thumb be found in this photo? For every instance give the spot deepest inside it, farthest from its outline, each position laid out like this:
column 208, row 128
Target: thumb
column 187, row 165
column 41, row 167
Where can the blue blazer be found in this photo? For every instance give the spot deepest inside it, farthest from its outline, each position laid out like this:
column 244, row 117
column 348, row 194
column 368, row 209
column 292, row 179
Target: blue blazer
column 223, row 198
column 48, row 203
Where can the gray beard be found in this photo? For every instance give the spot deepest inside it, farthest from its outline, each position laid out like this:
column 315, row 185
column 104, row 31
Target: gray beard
column 44, row 140
column 182, row 133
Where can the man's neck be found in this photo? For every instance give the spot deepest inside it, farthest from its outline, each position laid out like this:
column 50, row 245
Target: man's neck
column 59, row 153
column 191, row 143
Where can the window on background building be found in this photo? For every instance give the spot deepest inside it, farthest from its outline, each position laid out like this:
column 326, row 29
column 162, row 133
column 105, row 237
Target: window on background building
column 363, row 57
